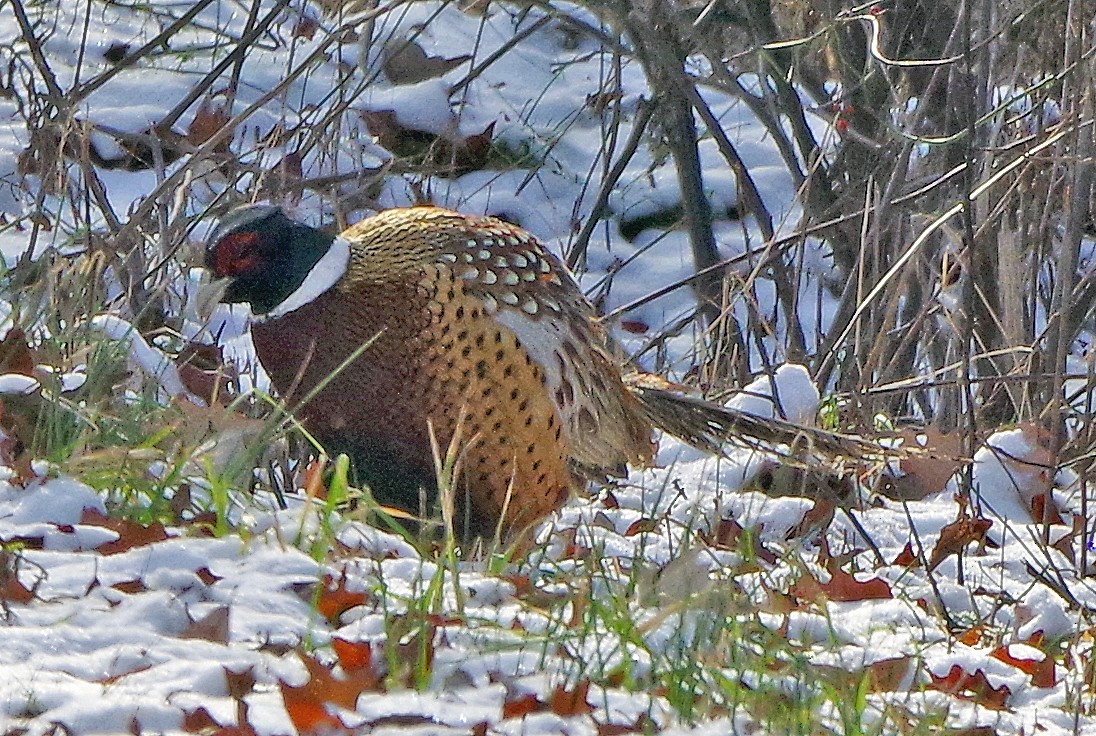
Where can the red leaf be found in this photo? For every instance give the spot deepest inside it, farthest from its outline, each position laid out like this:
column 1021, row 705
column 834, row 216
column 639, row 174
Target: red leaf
column 523, row 584
column 971, row 636
column 1045, row 512
column 334, row 599
column 974, row 687
column 634, row 326
column 307, row 704
column 841, row 587
column 957, row 535
column 131, row 586
column 199, row 721
column 906, row 558
column 1040, row 670
column 640, row 526
column 568, row 703
column 130, row 533
column 206, row 576
column 353, row 655
column 521, row 706
column 208, row 121
column 11, row 590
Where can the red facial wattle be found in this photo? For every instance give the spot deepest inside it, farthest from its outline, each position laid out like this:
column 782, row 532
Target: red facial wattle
column 234, row 254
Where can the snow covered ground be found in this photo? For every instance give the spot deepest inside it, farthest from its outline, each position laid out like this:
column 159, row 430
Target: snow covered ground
column 639, row 600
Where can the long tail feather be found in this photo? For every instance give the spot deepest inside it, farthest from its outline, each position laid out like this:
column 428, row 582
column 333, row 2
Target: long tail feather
column 711, row 427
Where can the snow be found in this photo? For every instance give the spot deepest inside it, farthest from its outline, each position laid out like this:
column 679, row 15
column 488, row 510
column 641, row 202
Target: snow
column 114, row 643
column 151, row 360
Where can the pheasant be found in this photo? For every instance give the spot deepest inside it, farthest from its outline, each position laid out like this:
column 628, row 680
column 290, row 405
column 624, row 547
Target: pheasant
column 421, row 320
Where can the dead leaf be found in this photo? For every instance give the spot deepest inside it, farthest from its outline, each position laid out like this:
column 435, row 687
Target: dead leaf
column 210, row 119
column 634, row 326
column 307, row 704
column 889, row 675
column 130, row 533
column 927, row 472
column 971, row 636
column 1044, row 509
column 975, row 687
column 397, row 139
column 334, row 599
column 239, row 684
column 405, row 62
column 571, row 702
column 643, row 724
column 841, row 587
column 223, row 433
column 306, row 27
column 956, row 536
column 13, row 591
column 214, row 627
column 445, row 155
column 141, row 151
column 817, row 518
column 1040, row 670
column 205, row 372
column 207, row 577
column 521, row 706
column 353, row 655
column 906, row 558
column 641, row 526
column 16, row 355
column 131, row 587
column 199, row 721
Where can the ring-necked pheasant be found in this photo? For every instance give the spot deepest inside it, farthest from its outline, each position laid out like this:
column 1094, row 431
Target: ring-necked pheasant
column 467, row 316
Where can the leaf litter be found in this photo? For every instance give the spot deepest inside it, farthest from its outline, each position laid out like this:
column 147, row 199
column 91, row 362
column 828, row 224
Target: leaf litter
column 114, row 625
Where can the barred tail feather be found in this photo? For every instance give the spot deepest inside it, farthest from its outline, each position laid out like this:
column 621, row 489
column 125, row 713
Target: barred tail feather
column 711, row 427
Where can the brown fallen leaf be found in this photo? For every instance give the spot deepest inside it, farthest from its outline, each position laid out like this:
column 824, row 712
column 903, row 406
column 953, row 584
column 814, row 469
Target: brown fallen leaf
column 521, row 706
column 974, row 687
column 205, row 372
column 1041, row 670
column 334, row 599
column 130, row 533
column 405, row 62
column 213, row 627
column 907, row 557
column 956, row 536
column 16, row 355
column 567, row 702
column 239, row 684
column 13, row 591
column 927, row 473
column 353, row 655
column 209, row 120
column 307, row 705
column 445, row 155
column 841, row 587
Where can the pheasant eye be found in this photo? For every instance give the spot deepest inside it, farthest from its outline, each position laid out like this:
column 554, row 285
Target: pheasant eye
column 235, row 253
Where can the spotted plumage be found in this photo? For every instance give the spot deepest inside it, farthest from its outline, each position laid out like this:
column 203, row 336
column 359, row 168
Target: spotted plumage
column 467, row 316
column 421, row 319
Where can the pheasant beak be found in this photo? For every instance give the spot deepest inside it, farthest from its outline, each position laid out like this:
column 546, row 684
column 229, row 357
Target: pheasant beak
column 210, row 295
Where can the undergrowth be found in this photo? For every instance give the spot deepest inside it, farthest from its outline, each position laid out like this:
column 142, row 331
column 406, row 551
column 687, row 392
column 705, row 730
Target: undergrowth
column 944, row 211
